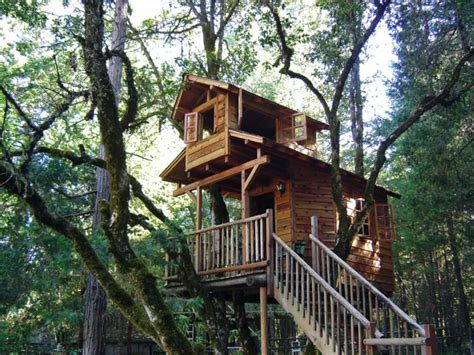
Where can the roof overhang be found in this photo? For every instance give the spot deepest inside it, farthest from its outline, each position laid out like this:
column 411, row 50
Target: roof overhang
column 195, row 87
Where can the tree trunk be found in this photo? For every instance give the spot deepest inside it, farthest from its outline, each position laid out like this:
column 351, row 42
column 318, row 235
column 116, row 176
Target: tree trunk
column 249, row 347
column 94, row 318
column 463, row 304
column 96, row 301
column 357, row 122
column 355, row 99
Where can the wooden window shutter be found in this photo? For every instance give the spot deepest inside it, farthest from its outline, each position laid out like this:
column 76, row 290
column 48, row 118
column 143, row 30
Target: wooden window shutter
column 191, row 127
column 299, row 126
column 384, row 222
column 292, row 130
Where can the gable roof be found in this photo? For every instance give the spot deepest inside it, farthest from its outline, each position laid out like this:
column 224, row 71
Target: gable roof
column 195, row 87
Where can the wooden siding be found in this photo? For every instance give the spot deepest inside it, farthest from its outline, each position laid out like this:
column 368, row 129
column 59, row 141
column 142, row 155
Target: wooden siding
column 233, row 120
column 284, row 216
column 220, row 113
column 312, row 196
column 206, row 150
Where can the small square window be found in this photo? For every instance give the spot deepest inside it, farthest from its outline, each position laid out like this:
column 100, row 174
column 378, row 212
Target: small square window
column 292, row 130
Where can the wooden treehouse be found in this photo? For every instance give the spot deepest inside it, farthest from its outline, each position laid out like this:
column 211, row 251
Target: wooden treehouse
column 265, row 155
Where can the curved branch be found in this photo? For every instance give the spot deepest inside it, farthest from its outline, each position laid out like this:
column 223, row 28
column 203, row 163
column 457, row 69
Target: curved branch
column 286, row 56
column 341, row 82
column 17, row 185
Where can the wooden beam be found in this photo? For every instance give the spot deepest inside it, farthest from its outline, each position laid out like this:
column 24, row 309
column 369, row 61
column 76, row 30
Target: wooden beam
column 246, row 267
column 199, row 208
column 206, row 105
column 222, row 175
column 245, row 210
column 251, row 177
column 240, row 110
column 263, row 321
column 192, row 196
column 269, row 252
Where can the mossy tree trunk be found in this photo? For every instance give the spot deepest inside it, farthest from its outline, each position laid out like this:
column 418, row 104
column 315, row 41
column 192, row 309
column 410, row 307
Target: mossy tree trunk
column 95, row 297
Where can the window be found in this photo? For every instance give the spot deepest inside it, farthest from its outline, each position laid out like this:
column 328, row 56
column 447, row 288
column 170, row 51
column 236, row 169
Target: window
column 192, row 127
column 292, row 130
column 384, row 222
column 354, row 207
column 365, row 228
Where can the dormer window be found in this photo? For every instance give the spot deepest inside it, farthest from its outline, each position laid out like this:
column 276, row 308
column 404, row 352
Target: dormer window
column 293, row 129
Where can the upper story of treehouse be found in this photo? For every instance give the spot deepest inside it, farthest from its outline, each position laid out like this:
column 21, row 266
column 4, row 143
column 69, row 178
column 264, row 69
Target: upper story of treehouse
column 213, row 112
column 265, row 155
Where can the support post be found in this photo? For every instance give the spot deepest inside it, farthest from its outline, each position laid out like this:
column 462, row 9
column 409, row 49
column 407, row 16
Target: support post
column 199, row 208
column 314, row 231
column 270, row 252
column 431, row 347
column 263, row 321
column 197, row 246
column 371, row 349
column 245, row 205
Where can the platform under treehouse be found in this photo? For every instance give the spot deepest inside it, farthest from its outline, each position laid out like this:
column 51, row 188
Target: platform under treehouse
column 266, row 156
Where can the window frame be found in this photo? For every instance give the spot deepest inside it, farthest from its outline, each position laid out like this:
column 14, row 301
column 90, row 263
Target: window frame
column 366, row 223
column 196, row 116
column 283, row 126
column 388, row 225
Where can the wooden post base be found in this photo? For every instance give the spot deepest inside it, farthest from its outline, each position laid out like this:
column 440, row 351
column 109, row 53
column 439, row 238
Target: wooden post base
column 263, row 321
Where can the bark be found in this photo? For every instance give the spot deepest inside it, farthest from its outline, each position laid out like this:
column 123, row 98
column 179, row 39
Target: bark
column 115, row 223
column 355, row 100
column 94, row 317
column 95, row 300
column 463, row 303
column 246, row 341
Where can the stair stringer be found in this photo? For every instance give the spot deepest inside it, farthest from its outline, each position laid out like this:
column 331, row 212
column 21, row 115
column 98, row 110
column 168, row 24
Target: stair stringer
column 312, row 331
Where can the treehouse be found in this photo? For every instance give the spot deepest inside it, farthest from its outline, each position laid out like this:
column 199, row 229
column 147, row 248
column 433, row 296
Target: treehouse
column 266, row 156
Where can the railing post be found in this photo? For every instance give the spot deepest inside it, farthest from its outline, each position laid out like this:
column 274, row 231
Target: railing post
column 431, row 347
column 167, row 268
column 314, row 231
column 371, row 349
column 263, row 321
column 270, row 252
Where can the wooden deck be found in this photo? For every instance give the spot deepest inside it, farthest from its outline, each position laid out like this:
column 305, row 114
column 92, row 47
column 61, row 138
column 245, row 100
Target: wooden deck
column 337, row 308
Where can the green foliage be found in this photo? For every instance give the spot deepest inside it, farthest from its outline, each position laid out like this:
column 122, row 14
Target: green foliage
column 432, row 169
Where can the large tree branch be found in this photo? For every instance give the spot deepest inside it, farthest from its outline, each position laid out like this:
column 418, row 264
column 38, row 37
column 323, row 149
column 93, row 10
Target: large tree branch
column 286, row 56
column 131, row 107
column 424, row 106
column 18, row 108
column 178, row 251
column 225, row 20
column 17, row 185
column 428, row 103
column 355, row 53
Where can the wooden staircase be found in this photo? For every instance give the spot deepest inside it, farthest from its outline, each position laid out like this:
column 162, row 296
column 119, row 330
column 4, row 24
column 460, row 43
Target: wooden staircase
column 339, row 310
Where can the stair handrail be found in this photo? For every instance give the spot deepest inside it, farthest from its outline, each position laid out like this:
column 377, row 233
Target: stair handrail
column 333, row 292
column 369, row 285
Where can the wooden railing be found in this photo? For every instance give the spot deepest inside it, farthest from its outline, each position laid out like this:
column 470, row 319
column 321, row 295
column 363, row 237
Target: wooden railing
column 235, row 247
column 327, row 318
column 401, row 333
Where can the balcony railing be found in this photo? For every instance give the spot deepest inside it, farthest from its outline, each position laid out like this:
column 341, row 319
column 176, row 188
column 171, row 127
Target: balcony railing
column 234, row 248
